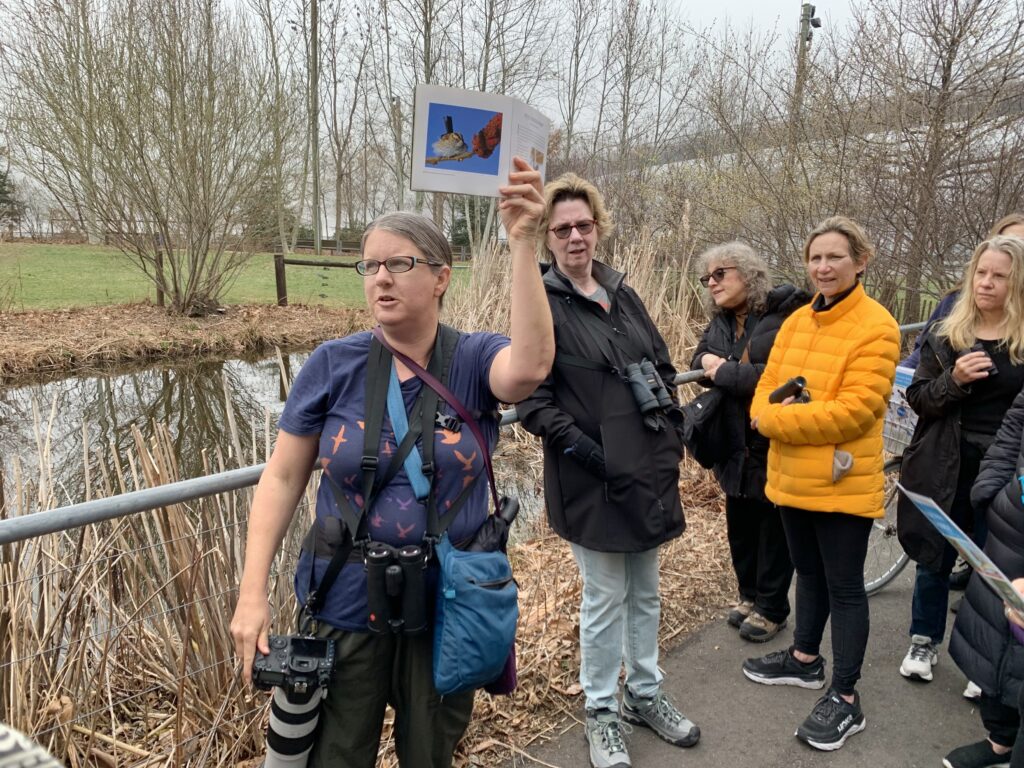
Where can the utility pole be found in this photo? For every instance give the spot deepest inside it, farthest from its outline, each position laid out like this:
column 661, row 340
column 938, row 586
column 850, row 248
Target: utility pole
column 314, row 114
column 807, row 21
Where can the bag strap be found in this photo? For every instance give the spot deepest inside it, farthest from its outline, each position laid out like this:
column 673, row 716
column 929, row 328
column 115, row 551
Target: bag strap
column 748, row 331
column 435, row 525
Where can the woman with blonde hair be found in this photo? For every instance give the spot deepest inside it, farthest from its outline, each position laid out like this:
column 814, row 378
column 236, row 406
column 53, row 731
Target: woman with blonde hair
column 972, row 368
column 745, row 314
column 611, row 469
column 825, row 470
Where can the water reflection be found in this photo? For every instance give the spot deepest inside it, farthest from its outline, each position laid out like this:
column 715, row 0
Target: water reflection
column 57, row 429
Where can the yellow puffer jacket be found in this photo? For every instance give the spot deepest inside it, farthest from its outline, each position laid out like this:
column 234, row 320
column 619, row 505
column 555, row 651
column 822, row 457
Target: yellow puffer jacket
column 847, row 354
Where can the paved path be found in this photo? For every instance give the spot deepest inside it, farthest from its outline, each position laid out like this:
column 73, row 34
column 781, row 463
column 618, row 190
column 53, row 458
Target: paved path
column 745, row 725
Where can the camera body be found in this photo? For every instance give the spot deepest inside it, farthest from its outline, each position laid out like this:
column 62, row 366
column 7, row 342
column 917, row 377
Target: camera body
column 795, row 387
column 296, row 663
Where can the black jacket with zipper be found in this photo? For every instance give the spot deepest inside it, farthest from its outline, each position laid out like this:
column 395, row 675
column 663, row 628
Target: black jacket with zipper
column 981, row 643
column 931, row 463
column 744, row 472
column 635, row 505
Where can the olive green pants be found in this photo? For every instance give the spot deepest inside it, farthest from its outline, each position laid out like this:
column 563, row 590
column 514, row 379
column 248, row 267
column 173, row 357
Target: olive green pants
column 371, row 671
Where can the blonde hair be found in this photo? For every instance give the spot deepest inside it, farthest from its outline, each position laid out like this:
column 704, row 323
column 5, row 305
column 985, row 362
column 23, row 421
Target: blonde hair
column 861, row 249
column 752, row 270
column 1006, row 222
column 959, row 327
column 569, row 186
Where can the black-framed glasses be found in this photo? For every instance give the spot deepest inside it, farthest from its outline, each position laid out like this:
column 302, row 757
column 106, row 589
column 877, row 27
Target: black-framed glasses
column 393, row 264
column 562, row 231
column 717, row 275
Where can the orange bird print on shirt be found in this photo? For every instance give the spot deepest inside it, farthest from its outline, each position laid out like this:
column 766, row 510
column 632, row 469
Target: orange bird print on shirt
column 450, row 438
column 403, row 532
column 339, row 439
column 467, row 464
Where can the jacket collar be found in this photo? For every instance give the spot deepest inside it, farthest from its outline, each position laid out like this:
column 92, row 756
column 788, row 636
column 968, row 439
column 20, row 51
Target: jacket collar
column 838, row 309
column 557, row 282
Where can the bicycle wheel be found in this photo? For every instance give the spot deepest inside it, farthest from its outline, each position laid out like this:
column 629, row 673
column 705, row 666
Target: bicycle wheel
column 886, row 557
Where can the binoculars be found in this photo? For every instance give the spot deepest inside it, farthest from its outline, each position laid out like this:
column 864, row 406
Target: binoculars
column 795, row 387
column 649, row 390
column 395, row 589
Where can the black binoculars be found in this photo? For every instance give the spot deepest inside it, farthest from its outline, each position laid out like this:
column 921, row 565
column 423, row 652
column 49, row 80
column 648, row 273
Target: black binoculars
column 648, row 388
column 395, row 590
column 795, row 387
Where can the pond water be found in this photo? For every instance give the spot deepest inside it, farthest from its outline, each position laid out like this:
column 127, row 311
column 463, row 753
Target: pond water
column 53, row 430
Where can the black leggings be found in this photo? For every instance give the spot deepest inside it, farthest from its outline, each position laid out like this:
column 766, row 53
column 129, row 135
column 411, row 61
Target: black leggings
column 828, row 551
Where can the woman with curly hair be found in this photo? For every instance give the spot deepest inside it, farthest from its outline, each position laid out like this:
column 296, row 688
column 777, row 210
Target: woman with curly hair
column 746, row 313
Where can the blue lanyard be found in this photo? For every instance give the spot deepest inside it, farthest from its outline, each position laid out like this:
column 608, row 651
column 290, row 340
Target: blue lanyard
column 400, row 424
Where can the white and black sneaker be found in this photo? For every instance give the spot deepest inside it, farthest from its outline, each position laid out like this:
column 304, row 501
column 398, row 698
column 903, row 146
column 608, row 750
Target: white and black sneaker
column 832, row 721
column 19, row 751
column 782, row 668
column 922, row 656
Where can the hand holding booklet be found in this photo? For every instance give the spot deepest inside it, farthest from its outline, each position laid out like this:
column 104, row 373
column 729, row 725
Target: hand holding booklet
column 464, row 141
column 970, row 551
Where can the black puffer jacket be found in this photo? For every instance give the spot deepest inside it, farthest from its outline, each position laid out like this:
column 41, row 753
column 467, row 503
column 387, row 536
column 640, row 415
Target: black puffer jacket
column 635, row 506
column 981, row 643
column 931, row 463
column 743, row 473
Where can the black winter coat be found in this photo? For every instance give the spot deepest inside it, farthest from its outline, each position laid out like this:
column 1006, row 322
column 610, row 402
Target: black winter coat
column 635, row 506
column 931, row 463
column 981, row 643
column 744, row 472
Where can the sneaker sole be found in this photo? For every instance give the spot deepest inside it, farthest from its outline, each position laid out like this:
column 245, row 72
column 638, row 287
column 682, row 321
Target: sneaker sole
column 831, row 746
column 795, row 681
column 688, row 741
column 947, row 764
column 924, row 678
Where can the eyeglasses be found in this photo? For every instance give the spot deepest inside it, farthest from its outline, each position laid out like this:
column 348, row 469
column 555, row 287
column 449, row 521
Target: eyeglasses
column 393, row 264
column 717, row 274
column 562, row 231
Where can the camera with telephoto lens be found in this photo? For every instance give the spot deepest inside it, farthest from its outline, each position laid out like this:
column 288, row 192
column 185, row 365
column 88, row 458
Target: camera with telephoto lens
column 296, row 663
column 795, row 387
column 395, row 589
column 649, row 390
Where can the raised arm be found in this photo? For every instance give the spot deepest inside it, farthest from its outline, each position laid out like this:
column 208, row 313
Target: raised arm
column 520, row 367
column 273, row 507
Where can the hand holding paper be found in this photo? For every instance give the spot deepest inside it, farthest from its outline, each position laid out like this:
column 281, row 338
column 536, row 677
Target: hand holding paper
column 522, row 202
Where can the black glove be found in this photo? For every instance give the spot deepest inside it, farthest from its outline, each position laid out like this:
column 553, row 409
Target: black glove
column 589, row 454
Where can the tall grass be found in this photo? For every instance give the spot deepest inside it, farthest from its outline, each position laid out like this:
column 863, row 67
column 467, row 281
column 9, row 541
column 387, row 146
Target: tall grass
column 114, row 643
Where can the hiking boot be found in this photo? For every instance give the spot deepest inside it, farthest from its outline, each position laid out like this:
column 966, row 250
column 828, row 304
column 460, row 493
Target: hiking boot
column 960, row 575
column 739, row 612
column 977, row 755
column 661, row 716
column 922, row 656
column 604, row 735
column 972, row 691
column 832, row 721
column 782, row 668
column 758, row 629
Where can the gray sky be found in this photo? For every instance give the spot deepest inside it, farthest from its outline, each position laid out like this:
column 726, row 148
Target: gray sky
column 764, row 13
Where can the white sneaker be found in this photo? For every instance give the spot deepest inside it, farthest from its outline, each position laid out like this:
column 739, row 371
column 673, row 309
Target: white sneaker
column 922, row 656
column 972, row 691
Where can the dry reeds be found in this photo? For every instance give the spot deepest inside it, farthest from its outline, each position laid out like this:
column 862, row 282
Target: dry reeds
column 114, row 644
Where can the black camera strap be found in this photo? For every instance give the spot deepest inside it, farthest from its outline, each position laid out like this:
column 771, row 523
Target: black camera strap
column 377, row 381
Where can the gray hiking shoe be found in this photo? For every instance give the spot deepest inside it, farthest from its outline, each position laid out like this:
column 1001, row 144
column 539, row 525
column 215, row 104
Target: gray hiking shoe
column 661, row 716
column 604, row 735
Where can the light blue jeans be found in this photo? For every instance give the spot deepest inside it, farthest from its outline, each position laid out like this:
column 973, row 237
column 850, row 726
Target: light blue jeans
column 619, row 617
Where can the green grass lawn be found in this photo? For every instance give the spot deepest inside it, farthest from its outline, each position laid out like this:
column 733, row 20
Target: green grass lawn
column 45, row 276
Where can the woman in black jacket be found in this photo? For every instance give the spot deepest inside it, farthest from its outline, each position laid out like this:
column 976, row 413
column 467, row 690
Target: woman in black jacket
column 745, row 316
column 972, row 368
column 611, row 468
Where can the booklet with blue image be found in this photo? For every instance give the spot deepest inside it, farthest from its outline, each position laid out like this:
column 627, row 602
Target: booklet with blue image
column 970, row 551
